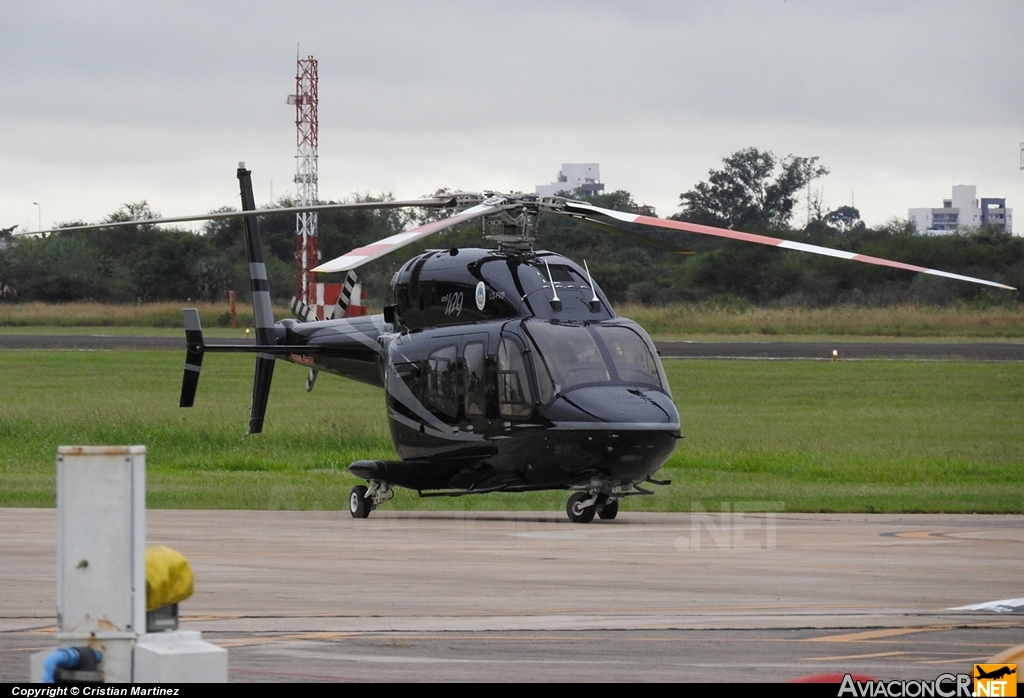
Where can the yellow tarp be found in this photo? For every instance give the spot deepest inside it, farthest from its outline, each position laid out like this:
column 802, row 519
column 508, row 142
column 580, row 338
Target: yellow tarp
column 168, row 577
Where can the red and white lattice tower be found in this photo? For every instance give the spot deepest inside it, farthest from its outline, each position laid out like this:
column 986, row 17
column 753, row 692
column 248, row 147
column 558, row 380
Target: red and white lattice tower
column 305, row 100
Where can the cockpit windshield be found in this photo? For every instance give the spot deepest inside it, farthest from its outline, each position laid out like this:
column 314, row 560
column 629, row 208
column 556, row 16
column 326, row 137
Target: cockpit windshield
column 575, row 355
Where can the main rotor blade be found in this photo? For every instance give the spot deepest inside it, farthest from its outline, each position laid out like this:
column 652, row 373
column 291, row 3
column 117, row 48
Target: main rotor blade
column 222, row 215
column 635, row 236
column 583, row 208
column 375, row 250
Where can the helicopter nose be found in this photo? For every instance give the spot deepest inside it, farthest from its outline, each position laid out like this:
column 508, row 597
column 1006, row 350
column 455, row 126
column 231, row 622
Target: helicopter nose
column 619, row 405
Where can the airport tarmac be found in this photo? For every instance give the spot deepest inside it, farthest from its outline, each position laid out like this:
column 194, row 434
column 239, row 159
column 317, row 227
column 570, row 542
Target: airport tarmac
column 527, row 596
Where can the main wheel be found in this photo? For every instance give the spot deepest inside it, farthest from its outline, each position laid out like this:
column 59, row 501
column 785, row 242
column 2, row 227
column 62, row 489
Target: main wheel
column 358, row 505
column 609, row 510
column 577, row 512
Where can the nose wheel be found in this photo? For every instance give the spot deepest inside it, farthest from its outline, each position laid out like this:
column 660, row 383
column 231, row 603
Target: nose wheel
column 359, row 505
column 364, row 499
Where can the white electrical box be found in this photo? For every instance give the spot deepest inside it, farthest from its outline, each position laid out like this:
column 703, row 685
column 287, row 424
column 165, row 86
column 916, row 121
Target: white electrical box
column 101, row 547
column 101, row 574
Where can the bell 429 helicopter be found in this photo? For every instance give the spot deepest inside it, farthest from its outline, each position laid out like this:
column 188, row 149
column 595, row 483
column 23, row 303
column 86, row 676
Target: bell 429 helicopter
column 504, row 370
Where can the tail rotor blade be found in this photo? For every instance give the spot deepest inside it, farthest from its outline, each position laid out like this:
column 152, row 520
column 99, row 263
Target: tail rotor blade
column 260, row 392
column 261, row 306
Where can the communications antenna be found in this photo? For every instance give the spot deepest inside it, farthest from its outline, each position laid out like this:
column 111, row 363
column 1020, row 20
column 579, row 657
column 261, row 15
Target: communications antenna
column 306, row 126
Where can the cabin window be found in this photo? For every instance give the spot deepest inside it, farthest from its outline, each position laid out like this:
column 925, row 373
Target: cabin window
column 412, row 376
column 570, row 354
column 574, row 355
column 515, row 399
column 545, row 384
column 476, row 390
column 630, row 356
column 441, row 382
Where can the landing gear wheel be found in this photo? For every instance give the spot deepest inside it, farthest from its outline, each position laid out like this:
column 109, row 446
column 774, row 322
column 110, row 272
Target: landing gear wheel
column 358, row 505
column 609, row 510
column 578, row 513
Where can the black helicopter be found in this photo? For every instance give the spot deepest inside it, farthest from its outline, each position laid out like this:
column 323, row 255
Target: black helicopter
column 504, row 370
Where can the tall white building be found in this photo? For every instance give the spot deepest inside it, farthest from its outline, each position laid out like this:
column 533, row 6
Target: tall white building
column 963, row 211
column 585, row 176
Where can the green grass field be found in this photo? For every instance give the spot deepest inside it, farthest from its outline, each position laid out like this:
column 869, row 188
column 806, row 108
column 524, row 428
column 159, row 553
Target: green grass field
column 685, row 321
column 680, row 321
column 789, row 435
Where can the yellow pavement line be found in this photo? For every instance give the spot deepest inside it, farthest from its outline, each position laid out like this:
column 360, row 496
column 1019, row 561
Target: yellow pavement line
column 856, row 656
column 875, row 634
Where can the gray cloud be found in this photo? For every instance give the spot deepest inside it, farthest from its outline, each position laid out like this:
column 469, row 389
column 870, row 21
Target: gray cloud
column 106, row 102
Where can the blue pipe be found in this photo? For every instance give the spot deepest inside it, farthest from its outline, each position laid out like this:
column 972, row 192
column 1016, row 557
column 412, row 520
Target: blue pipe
column 63, row 658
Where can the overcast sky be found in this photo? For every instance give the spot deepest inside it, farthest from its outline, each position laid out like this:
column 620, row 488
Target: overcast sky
column 103, row 103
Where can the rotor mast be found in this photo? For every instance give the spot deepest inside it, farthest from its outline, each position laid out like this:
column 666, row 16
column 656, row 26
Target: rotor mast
column 514, row 227
column 307, row 256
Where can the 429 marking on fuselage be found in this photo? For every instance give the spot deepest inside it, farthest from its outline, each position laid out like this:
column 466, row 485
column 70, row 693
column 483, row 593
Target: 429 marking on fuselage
column 454, row 303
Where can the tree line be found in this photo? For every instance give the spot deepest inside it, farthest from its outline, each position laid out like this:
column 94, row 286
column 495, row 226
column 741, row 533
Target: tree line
column 754, row 191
